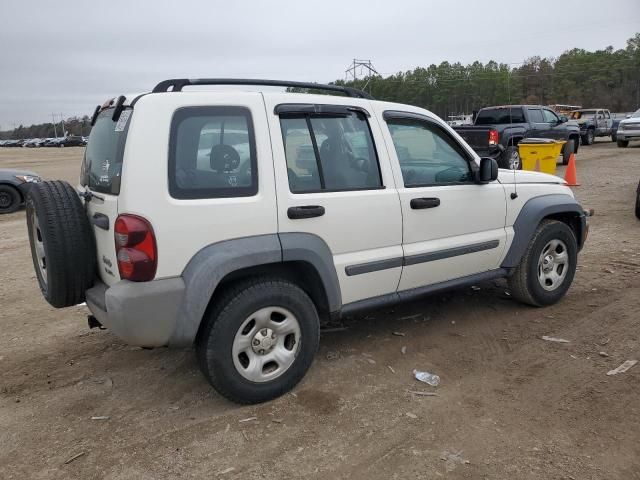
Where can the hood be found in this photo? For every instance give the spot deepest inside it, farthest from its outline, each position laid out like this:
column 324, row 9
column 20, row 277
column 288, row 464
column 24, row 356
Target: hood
column 524, row 176
column 10, row 173
column 627, row 121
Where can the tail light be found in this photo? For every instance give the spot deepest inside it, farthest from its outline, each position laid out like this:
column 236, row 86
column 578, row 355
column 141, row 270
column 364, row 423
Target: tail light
column 494, row 138
column 135, row 248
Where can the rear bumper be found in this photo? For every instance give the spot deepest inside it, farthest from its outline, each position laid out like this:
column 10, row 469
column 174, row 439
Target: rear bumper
column 143, row 314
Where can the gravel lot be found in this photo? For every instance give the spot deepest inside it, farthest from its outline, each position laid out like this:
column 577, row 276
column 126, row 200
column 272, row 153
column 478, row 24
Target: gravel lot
column 509, row 405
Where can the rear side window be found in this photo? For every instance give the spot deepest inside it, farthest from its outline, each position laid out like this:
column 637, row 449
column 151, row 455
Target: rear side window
column 102, row 163
column 212, row 153
column 535, row 115
column 327, row 153
column 499, row 116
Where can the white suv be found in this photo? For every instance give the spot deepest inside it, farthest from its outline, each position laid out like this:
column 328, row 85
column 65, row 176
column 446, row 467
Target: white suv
column 239, row 220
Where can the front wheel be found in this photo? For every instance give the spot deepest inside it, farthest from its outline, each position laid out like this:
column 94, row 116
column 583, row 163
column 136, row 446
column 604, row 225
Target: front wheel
column 548, row 266
column 623, row 143
column 259, row 340
column 510, row 158
column 9, row 199
column 589, row 138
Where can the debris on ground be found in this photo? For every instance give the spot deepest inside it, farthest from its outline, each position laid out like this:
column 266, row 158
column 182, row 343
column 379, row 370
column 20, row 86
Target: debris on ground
column 554, row 339
column 333, row 355
column 622, row 368
column 391, row 368
column 333, row 329
column 75, row 457
column 226, row 470
column 426, row 377
column 604, row 354
column 411, row 317
column 398, row 334
column 411, row 415
column 250, row 419
column 475, row 288
column 453, row 460
column 403, row 350
column 423, row 394
column 100, row 417
column 277, row 420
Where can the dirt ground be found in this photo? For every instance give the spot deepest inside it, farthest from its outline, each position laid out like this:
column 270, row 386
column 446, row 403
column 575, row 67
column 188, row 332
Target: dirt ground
column 509, row 406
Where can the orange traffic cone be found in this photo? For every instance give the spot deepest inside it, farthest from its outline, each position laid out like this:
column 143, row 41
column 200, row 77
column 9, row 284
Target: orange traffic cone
column 570, row 174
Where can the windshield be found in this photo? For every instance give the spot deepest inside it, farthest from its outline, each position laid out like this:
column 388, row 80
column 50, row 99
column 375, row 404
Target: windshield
column 497, row 116
column 103, row 156
column 578, row 114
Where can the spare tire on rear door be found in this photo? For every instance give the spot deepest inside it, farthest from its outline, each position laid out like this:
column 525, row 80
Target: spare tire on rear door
column 62, row 243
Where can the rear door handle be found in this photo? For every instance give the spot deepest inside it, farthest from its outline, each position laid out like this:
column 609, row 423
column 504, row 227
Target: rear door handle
column 421, row 203
column 305, row 211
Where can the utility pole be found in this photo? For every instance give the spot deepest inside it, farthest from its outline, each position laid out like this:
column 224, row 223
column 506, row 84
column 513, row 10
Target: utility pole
column 53, row 121
column 64, row 133
column 360, row 68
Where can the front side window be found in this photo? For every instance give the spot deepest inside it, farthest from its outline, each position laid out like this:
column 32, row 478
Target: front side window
column 329, row 153
column 535, row 115
column 212, row 153
column 549, row 116
column 427, row 154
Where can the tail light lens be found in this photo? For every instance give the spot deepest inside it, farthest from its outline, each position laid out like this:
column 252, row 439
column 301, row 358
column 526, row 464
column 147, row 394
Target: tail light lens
column 135, row 248
column 494, row 138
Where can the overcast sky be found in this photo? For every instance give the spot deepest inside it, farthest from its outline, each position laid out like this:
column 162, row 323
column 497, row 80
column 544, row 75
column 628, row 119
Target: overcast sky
column 66, row 56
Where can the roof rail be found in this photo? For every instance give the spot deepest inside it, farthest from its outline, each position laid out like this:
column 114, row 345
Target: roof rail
column 179, row 83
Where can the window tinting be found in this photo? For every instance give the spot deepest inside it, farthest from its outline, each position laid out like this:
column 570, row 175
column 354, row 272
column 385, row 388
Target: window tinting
column 329, row 153
column 549, row 116
column 427, row 154
column 535, row 115
column 498, row 116
column 212, row 153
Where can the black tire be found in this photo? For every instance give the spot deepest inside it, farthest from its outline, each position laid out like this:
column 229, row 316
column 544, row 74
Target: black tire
column 614, row 137
column 58, row 226
column 622, row 143
column 10, row 199
column 569, row 148
column 509, row 157
column 223, row 321
column 638, row 201
column 589, row 138
column 524, row 283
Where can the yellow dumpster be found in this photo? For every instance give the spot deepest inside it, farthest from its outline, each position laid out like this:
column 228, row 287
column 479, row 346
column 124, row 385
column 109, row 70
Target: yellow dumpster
column 540, row 154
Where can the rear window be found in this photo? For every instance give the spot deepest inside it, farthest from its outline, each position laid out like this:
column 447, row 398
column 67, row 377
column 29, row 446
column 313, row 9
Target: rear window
column 497, row 116
column 102, row 163
column 212, row 153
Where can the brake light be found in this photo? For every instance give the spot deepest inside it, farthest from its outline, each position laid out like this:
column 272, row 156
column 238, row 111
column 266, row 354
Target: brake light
column 494, row 138
column 136, row 249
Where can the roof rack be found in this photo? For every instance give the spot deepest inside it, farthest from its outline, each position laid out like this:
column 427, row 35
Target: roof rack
column 178, row 83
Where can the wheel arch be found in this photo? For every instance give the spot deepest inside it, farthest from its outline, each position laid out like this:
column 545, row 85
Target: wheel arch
column 560, row 207
column 300, row 257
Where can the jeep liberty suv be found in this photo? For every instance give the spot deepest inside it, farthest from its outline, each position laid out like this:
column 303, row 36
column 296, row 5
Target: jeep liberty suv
column 237, row 221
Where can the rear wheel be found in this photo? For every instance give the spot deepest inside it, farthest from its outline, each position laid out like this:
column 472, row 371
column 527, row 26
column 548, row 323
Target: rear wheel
column 9, row 199
column 510, row 158
column 259, row 340
column 589, row 137
column 569, row 148
column 623, row 143
column 62, row 243
column 548, row 266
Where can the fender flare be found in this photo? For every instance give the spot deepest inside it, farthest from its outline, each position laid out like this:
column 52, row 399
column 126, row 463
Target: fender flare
column 530, row 216
column 212, row 263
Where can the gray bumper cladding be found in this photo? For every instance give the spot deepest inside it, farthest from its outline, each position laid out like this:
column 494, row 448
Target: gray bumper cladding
column 142, row 314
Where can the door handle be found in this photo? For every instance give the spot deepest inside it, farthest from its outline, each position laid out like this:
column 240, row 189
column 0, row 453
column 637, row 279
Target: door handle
column 305, row 211
column 420, row 203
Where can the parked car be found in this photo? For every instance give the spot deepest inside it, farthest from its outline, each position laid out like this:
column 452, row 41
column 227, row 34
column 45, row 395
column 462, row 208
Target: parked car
column 33, row 143
column 593, row 122
column 14, row 186
column 629, row 129
column 496, row 132
column 243, row 253
column 72, row 141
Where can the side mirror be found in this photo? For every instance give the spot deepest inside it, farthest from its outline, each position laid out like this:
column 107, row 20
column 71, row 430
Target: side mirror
column 488, row 171
column 563, row 119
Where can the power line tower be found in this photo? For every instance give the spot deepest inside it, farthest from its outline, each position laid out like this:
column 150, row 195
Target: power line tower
column 360, row 69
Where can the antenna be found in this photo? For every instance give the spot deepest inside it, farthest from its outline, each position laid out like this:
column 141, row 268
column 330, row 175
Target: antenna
column 514, row 194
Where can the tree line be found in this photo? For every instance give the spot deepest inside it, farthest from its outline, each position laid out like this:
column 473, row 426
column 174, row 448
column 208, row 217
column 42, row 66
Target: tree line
column 71, row 126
